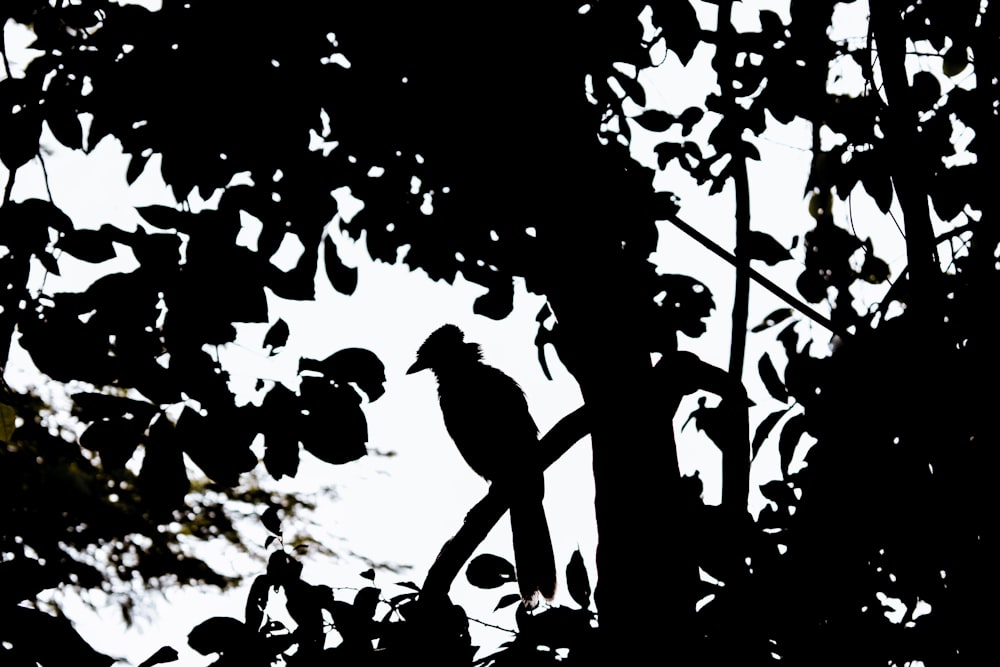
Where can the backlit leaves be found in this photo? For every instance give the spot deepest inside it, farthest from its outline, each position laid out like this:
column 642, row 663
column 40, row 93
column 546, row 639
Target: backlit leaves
column 489, row 571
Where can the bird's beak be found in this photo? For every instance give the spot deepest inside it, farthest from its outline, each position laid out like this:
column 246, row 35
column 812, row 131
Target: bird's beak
column 417, row 366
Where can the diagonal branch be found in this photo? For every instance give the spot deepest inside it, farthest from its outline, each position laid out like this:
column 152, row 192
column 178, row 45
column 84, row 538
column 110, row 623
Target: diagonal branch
column 485, row 514
column 767, row 284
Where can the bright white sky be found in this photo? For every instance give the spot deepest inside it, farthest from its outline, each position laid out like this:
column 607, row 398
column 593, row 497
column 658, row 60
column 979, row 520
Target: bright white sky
column 401, row 509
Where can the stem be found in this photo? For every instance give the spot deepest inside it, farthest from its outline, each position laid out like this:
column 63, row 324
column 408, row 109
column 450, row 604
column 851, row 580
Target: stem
column 738, row 172
column 908, row 169
column 3, row 51
column 741, row 298
column 8, row 189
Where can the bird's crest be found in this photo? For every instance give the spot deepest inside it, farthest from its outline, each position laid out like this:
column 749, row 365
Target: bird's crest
column 445, row 346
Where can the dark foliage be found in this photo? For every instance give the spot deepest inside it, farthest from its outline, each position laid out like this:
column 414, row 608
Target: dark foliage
column 499, row 150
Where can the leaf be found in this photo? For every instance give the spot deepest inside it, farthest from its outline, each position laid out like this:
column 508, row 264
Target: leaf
column 878, row 185
column 777, row 317
column 766, row 248
column 343, row 278
column 218, row 635
column 166, row 217
column 136, row 165
column 769, row 376
column 20, row 122
column 94, row 246
column 764, row 429
column 8, row 423
column 577, row 580
column 115, row 439
column 681, row 29
column 271, row 520
column 791, row 434
column 507, row 600
column 875, row 270
column 271, row 539
column 352, row 364
column 163, row 479
column 489, row 571
column 655, row 120
column 281, row 450
column 925, row 91
column 368, row 574
column 165, row 654
column 65, row 126
column 956, row 59
column 367, row 599
column 747, row 151
column 633, row 89
column 408, row 584
column 689, row 118
column 497, row 303
column 49, row 262
column 335, row 429
column 276, row 337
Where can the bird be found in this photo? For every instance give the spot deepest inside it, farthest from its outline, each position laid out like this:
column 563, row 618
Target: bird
column 486, row 415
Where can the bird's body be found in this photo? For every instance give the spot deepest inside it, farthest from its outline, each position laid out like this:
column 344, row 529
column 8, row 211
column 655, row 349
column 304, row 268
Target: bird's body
column 486, row 415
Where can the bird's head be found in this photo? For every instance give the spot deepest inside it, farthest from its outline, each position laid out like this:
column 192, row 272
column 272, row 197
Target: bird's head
column 443, row 348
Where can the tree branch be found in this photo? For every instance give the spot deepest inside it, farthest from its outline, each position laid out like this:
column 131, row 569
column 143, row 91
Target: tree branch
column 767, row 284
column 485, row 514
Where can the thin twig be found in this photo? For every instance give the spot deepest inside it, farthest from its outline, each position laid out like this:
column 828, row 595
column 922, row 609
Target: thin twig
column 8, row 190
column 3, row 53
column 45, row 176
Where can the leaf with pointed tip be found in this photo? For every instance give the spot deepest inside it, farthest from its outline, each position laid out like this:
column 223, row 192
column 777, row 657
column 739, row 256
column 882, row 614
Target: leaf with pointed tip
column 276, row 336
column 136, row 166
column 681, row 29
column 577, row 580
column 875, row 270
column 489, row 571
column 165, row 654
column 343, row 278
column 777, row 317
column 766, row 248
column 271, row 520
column 655, row 120
column 368, row 574
column 65, row 126
column 90, row 245
column 633, row 89
column 408, row 584
column 791, row 433
column 49, row 262
column 764, row 430
column 507, row 601
column 769, row 376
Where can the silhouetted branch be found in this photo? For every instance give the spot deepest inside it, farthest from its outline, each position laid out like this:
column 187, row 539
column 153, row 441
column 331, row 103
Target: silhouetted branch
column 485, row 514
column 767, row 284
column 741, row 185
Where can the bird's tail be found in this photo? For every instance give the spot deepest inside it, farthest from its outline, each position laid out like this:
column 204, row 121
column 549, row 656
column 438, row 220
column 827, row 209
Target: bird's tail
column 533, row 558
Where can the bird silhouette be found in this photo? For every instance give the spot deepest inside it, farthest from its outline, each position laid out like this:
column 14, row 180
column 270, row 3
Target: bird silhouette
column 487, row 416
